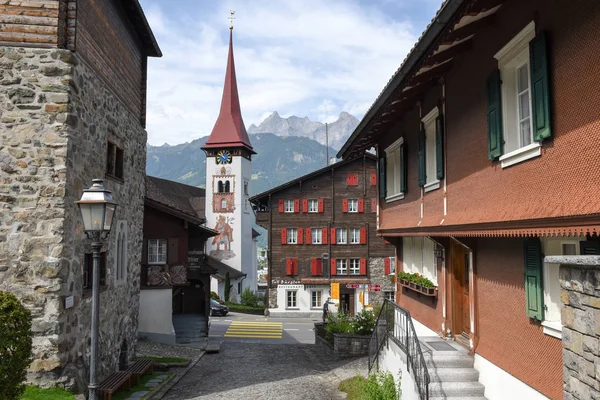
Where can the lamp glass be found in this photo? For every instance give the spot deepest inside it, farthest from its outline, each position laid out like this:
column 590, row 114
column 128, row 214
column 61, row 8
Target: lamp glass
column 108, row 216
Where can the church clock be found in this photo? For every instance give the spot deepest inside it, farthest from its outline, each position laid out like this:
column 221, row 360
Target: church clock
column 223, row 157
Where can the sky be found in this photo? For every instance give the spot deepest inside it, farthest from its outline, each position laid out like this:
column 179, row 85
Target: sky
column 313, row 58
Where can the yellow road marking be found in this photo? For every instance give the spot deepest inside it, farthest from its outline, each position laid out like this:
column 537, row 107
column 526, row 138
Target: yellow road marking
column 255, row 330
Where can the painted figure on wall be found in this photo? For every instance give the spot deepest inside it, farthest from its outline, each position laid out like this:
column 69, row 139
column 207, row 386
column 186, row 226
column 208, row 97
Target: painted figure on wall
column 223, row 239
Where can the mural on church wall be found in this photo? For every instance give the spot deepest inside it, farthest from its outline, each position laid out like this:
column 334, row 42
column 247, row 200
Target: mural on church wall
column 223, row 239
column 223, row 190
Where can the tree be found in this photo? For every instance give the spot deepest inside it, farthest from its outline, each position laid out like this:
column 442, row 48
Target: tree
column 228, row 286
column 15, row 346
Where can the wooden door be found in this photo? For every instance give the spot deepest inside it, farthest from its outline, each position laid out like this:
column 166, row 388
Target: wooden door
column 461, row 305
column 351, row 303
column 189, row 299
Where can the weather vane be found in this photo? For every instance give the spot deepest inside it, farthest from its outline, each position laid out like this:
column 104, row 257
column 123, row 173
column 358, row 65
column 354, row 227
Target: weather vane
column 231, row 18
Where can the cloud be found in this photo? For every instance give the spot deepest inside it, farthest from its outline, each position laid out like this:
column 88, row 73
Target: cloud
column 311, row 58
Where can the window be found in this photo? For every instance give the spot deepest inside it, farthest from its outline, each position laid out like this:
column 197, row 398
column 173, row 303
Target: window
column 121, row 251
column 289, row 206
column 418, row 256
column 157, row 251
column 355, row 266
column 114, row 161
column 341, row 236
column 352, row 205
column 316, row 297
column 516, row 98
column 292, row 236
column 389, row 295
column 246, row 192
column 223, row 204
column 317, row 236
column 220, row 187
column 341, row 267
column 88, row 270
column 354, row 236
column 313, row 206
column 395, row 168
column 429, row 126
column 227, row 187
column 292, row 299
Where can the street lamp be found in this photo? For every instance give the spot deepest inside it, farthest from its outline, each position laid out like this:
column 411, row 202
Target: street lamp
column 97, row 209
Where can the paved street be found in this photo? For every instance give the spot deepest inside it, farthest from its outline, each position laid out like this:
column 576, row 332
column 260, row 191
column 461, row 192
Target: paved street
column 258, row 329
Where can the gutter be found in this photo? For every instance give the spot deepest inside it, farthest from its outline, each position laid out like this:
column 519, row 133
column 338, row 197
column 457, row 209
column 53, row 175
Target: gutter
column 435, row 27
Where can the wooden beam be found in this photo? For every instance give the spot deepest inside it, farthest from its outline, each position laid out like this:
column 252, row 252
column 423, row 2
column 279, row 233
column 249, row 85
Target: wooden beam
column 428, row 76
column 469, row 29
column 482, row 6
column 449, row 53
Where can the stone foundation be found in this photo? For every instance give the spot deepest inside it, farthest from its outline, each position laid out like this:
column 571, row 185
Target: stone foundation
column 344, row 346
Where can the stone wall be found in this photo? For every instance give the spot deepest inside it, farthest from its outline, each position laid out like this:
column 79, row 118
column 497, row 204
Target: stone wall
column 580, row 283
column 378, row 277
column 56, row 118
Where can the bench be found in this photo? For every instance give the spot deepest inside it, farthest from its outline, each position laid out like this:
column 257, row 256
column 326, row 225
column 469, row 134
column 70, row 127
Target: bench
column 141, row 367
column 113, row 383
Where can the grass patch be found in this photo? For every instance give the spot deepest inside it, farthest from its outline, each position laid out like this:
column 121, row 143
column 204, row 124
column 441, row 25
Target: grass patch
column 166, row 360
column 123, row 394
column 353, row 386
column 36, row 393
column 378, row 386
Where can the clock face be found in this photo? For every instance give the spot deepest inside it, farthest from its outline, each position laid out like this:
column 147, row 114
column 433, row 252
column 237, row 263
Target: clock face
column 223, row 157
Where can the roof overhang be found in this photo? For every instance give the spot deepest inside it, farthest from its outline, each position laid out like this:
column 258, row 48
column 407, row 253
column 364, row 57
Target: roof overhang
column 142, row 27
column 176, row 213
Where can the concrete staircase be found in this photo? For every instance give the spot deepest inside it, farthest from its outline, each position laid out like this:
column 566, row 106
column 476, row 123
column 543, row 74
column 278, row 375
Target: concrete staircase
column 451, row 372
column 189, row 328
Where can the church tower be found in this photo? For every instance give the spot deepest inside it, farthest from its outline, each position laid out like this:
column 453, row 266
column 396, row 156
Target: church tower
column 228, row 173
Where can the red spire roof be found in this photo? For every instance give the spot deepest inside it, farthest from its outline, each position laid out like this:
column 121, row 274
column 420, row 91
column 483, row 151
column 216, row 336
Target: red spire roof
column 229, row 130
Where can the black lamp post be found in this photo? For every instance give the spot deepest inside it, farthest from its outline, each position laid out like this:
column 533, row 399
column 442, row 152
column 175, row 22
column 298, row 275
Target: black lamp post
column 97, row 209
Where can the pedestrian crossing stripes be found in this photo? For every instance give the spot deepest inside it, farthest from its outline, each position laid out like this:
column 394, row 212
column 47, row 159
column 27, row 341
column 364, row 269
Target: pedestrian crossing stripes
column 254, row 330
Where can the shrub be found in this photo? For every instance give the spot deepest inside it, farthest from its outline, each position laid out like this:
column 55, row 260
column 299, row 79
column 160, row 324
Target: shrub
column 15, row 346
column 249, row 298
column 380, row 386
column 245, row 309
column 337, row 323
column 363, row 323
column 214, row 296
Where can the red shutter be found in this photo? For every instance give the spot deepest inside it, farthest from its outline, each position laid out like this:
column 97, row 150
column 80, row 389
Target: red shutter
column 332, row 267
column 361, row 205
column 300, row 236
column 373, row 205
column 385, row 242
column 294, row 266
column 288, row 266
column 304, row 205
column 283, row 235
column 355, row 179
column 308, row 233
column 333, row 237
column 363, row 266
column 373, row 179
column 281, row 206
column 313, row 266
column 345, row 205
column 363, row 235
column 349, row 179
column 324, row 234
column 386, row 266
column 297, row 205
column 319, row 267
column 321, row 205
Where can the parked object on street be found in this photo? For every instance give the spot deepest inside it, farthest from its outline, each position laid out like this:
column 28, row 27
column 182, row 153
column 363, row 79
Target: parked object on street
column 218, row 309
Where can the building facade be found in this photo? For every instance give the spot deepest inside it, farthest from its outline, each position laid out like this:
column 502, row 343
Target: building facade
column 485, row 136
column 323, row 243
column 228, row 175
column 73, row 101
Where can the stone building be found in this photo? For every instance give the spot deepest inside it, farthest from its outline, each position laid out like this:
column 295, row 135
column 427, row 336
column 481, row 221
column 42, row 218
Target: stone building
column 72, row 108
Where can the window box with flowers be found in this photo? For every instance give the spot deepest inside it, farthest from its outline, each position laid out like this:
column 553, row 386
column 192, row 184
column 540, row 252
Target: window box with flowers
column 417, row 283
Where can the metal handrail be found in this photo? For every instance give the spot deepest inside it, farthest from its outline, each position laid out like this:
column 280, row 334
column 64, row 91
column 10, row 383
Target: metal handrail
column 395, row 323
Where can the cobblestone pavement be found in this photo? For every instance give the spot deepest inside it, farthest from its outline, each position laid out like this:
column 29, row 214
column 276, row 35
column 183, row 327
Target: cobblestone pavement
column 260, row 371
column 147, row 348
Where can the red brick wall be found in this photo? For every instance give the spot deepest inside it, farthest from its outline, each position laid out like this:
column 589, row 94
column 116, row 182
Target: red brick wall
column 507, row 337
column 479, row 190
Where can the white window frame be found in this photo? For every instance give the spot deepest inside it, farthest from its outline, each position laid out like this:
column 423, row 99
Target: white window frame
column 313, row 206
column 392, row 265
column 512, row 56
column 354, row 268
column 429, row 121
column 393, row 171
column 291, row 295
column 352, row 205
column 389, row 293
column 292, row 235
column 418, row 256
column 161, row 259
column 341, row 266
column 317, row 235
column 354, row 236
column 341, row 233
column 288, row 206
column 319, row 294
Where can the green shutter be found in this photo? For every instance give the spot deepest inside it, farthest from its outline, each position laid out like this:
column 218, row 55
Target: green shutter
column 403, row 169
column 540, row 94
column 494, row 99
column 382, row 181
column 422, row 161
column 439, row 145
column 589, row 248
column 534, row 289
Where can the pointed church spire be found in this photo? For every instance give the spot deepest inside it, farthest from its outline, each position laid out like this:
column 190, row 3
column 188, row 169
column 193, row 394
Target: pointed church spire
column 229, row 130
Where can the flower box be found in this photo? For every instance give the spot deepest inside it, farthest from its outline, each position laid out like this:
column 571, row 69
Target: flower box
column 427, row 291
